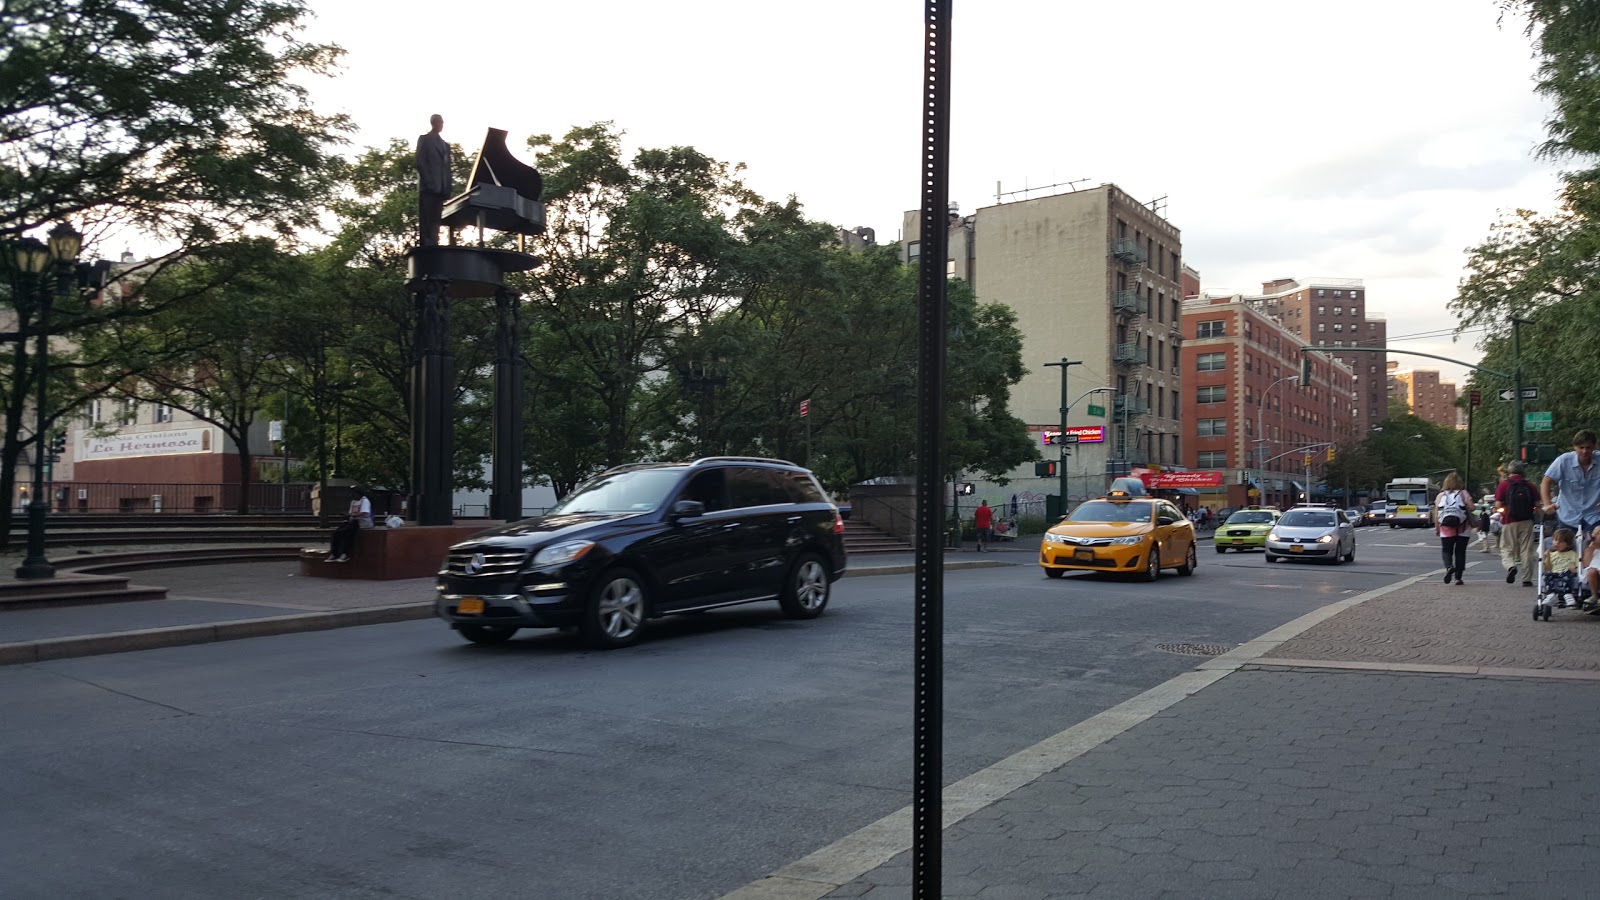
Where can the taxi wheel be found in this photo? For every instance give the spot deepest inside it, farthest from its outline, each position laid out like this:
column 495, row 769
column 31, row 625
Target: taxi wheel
column 1152, row 569
column 1189, row 562
column 1054, row 573
column 1220, row 548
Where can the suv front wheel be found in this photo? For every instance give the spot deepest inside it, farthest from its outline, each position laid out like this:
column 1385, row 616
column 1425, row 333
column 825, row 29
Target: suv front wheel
column 614, row 615
column 806, row 590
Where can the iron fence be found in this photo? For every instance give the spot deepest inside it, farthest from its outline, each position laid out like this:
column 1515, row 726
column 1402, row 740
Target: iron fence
column 101, row 498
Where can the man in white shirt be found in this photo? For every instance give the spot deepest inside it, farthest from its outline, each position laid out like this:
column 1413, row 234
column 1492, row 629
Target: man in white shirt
column 344, row 537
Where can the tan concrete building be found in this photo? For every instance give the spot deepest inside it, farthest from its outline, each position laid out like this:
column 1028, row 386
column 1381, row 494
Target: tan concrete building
column 1335, row 314
column 1428, row 396
column 1093, row 275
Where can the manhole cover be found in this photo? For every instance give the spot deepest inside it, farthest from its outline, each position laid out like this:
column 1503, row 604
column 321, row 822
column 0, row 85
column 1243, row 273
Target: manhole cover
column 1195, row 649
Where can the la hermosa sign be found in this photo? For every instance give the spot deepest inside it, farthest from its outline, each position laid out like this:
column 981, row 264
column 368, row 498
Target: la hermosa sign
column 154, row 443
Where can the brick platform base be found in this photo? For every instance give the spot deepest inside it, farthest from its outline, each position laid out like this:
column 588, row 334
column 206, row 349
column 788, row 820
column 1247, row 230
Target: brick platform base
column 383, row 554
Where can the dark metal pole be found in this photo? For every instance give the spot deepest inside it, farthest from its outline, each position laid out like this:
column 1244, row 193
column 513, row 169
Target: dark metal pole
column 432, row 426
column 927, row 806
column 506, row 500
column 1470, row 484
column 35, row 565
column 1516, row 382
column 1061, row 441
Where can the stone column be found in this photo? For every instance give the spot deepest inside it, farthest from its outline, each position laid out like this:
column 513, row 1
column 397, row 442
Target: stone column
column 505, row 499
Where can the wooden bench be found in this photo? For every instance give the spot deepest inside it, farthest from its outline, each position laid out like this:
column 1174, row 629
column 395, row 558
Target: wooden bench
column 384, row 554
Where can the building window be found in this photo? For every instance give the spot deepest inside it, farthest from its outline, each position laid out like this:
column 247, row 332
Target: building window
column 1322, row 310
column 1338, row 293
column 1321, row 292
column 1176, row 313
column 949, row 268
column 1177, row 411
column 1212, row 393
column 1122, row 229
column 1213, row 459
column 914, row 250
column 1211, row 362
column 1338, row 310
column 93, row 413
column 163, row 413
column 1338, row 326
column 1249, row 363
column 1322, row 326
column 1214, row 328
column 1338, row 343
column 1213, row 428
column 130, row 410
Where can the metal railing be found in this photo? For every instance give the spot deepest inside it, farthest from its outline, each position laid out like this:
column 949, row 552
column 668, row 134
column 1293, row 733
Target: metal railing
column 1129, row 250
column 901, row 524
column 1131, row 302
column 1129, row 355
column 101, row 498
column 1129, row 405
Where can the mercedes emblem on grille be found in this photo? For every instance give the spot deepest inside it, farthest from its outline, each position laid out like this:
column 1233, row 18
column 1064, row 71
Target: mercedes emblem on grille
column 475, row 564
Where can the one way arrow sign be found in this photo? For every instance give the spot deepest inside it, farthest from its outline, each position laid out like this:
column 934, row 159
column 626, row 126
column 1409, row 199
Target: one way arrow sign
column 1528, row 393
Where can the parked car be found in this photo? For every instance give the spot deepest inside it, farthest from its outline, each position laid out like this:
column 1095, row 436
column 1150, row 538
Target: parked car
column 648, row 540
column 1121, row 532
column 1310, row 532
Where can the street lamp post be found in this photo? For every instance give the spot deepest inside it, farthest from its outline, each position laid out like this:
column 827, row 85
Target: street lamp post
column 1261, row 407
column 1061, row 467
column 31, row 259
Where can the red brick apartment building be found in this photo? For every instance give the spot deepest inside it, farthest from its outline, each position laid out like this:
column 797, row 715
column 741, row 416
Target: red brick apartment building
column 1244, row 411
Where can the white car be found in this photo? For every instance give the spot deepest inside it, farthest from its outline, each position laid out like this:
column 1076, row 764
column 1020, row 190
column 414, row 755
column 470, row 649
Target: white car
column 1308, row 532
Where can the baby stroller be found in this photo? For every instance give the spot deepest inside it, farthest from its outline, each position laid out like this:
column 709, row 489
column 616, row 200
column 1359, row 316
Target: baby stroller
column 1575, row 588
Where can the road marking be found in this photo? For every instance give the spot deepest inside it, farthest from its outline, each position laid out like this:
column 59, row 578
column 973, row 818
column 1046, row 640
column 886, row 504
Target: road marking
column 843, row 861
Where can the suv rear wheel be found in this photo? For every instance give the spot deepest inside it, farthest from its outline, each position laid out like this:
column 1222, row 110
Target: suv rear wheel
column 806, row 590
column 614, row 615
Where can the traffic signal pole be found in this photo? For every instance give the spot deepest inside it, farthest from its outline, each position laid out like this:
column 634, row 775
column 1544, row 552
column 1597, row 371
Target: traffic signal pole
column 1061, row 467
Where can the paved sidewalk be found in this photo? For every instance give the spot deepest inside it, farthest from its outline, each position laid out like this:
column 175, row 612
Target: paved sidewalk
column 1417, row 741
column 208, row 603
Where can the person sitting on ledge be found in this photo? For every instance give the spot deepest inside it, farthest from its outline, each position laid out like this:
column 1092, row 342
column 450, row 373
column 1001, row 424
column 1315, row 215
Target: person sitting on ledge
column 344, row 537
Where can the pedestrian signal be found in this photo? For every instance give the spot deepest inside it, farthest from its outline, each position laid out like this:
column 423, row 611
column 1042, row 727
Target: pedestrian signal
column 1045, row 468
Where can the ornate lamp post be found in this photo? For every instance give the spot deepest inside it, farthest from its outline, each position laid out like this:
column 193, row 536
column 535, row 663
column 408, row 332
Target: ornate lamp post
column 31, row 260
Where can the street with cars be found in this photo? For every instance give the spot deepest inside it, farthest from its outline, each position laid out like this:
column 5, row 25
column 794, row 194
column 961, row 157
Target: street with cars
column 400, row 761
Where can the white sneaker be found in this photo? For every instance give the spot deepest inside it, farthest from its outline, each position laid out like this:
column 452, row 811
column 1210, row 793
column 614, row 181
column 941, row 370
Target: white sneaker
column 1570, row 599
column 1547, row 600
column 331, row 558
column 343, row 559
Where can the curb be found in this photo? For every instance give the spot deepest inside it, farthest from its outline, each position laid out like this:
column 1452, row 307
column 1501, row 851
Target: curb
column 183, row 635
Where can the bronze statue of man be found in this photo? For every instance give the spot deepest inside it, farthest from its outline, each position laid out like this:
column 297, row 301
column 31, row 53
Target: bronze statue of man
column 433, row 179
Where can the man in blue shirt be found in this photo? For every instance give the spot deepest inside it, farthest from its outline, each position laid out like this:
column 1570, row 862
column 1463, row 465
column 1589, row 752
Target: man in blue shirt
column 1576, row 478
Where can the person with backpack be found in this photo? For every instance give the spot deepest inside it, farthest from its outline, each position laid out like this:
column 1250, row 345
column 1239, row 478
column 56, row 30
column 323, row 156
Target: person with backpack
column 1517, row 503
column 1452, row 521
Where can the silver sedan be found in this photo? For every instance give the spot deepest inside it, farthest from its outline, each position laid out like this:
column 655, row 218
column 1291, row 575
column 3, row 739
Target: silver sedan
column 1314, row 533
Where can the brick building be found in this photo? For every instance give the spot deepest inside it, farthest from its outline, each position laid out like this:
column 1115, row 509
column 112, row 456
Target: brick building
column 1244, row 411
column 1427, row 396
column 1334, row 313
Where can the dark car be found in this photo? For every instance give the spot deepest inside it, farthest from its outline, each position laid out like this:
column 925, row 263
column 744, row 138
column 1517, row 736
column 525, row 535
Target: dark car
column 642, row 541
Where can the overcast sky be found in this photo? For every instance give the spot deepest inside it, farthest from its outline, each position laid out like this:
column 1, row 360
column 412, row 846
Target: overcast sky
column 1366, row 139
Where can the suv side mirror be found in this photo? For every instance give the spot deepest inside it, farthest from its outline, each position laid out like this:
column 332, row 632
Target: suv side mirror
column 685, row 509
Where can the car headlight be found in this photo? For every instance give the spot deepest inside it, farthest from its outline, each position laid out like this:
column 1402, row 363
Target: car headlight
column 1325, row 539
column 556, row 554
column 1274, row 537
column 1128, row 541
column 1056, row 538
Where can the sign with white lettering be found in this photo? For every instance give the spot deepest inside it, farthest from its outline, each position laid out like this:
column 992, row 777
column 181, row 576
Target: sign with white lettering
column 151, row 443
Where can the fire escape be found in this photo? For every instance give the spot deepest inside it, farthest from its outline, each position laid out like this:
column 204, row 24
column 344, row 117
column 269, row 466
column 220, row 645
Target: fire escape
column 1128, row 354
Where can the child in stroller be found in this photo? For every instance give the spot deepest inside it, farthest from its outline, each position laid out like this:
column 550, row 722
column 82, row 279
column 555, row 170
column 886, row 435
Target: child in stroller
column 1558, row 583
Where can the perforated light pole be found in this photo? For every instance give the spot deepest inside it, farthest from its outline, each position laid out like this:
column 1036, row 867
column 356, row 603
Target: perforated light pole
column 927, row 745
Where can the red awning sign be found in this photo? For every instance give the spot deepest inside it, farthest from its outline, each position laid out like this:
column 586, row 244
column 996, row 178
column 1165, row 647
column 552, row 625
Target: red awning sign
column 1185, row 479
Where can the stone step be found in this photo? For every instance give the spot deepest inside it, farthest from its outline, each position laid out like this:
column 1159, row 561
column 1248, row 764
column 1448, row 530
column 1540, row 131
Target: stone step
column 104, row 563
column 73, row 589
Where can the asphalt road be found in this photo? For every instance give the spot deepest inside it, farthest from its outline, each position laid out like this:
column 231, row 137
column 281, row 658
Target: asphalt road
column 396, row 761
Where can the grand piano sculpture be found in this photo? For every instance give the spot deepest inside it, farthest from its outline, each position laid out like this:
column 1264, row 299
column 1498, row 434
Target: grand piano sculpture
column 502, row 195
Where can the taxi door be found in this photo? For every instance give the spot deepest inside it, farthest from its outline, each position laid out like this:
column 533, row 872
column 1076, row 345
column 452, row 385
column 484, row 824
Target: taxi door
column 1175, row 533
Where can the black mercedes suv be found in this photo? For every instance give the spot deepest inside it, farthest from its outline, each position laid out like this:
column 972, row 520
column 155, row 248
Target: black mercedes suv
column 647, row 540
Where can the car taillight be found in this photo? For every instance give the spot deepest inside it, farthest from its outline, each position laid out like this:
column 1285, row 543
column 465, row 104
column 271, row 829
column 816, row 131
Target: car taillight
column 838, row 523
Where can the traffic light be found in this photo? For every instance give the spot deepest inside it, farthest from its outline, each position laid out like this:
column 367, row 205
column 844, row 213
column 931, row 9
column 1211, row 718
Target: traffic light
column 1538, row 454
column 1045, row 468
column 58, row 444
column 1305, row 369
column 1330, row 454
column 1308, row 459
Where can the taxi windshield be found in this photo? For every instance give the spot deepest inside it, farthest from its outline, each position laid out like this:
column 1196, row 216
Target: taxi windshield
column 1106, row 511
column 1250, row 517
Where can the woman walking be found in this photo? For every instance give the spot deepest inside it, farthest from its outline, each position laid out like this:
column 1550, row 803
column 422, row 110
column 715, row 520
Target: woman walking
column 1452, row 520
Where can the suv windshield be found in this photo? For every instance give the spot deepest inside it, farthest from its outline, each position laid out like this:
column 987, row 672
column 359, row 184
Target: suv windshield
column 1305, row 518
column 1253, row 517
column 633, row 491
column 1106, row 511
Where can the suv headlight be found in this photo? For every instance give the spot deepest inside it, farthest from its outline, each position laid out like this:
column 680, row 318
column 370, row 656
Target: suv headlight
column 565, row 552
column 1128, row 541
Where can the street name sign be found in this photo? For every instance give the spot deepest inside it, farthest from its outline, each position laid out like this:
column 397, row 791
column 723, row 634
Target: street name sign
column 1510, row 394
column 1536, row 421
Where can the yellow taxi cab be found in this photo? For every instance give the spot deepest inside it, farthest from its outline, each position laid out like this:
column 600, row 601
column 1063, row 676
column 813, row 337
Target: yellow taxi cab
column 1246, row 529
column 1124, row 531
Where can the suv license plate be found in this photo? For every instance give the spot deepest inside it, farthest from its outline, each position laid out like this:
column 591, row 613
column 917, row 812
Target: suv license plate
column 473, row 606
